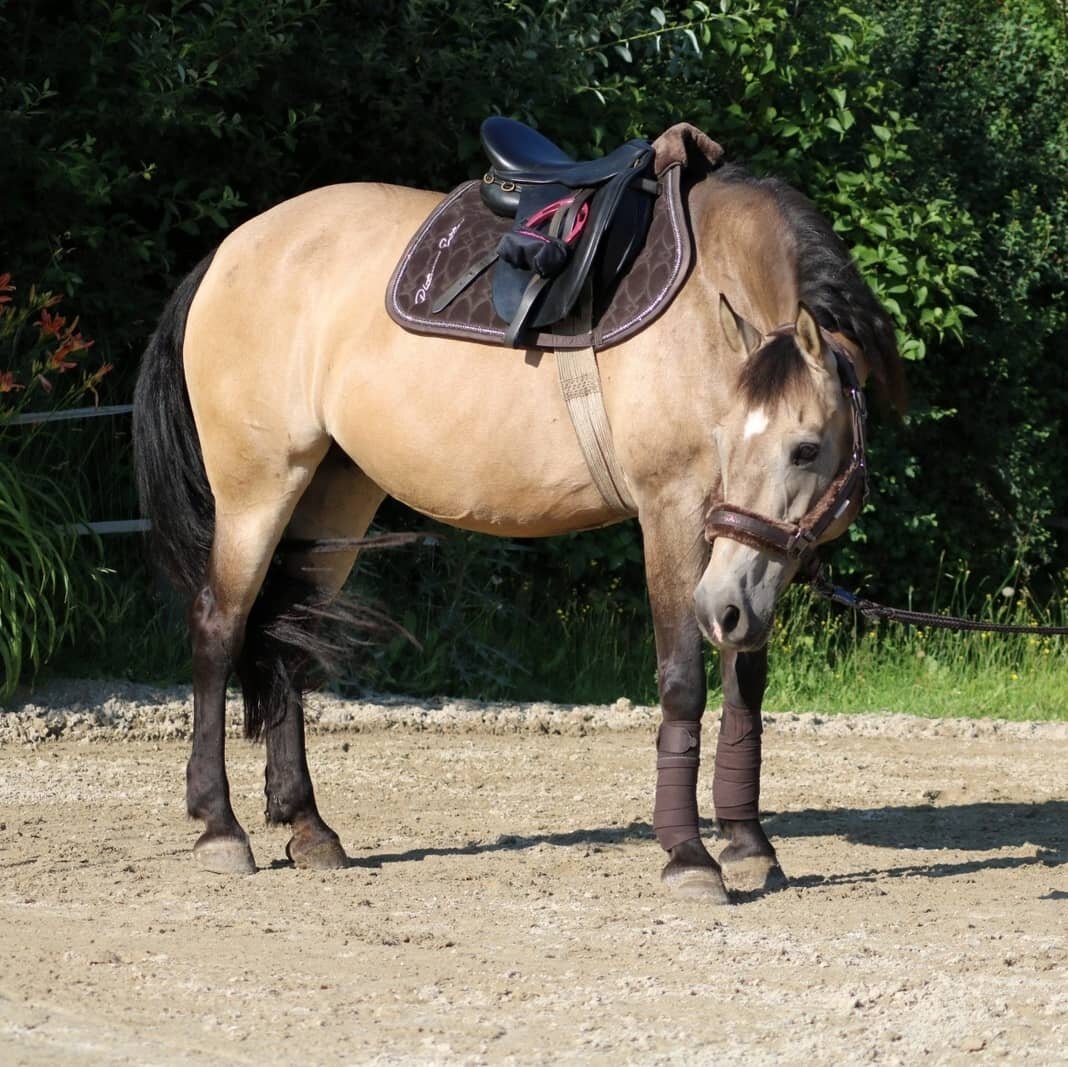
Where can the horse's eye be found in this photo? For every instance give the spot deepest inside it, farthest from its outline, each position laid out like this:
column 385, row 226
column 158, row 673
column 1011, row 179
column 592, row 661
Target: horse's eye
column 804, row 454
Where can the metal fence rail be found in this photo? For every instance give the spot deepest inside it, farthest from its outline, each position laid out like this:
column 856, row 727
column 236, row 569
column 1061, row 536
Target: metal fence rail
column 110, row 526
column 82, row 529
column 30, row 417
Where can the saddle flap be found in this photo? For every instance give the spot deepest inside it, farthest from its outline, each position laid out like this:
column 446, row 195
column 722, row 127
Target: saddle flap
column 619, row 220
column 511, row 278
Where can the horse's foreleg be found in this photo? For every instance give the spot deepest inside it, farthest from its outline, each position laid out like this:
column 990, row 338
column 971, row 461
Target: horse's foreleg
column 674, row 565
column 748, row 861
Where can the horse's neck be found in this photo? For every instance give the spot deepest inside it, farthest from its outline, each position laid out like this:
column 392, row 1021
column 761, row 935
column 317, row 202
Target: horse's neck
column 745, row 250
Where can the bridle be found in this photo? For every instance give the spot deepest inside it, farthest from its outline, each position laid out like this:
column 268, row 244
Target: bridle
column 798, row 540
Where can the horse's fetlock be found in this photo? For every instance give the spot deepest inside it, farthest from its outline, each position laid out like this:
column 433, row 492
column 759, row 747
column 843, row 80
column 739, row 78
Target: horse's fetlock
column 745, row 839
column 288, row 799
column 204, row 796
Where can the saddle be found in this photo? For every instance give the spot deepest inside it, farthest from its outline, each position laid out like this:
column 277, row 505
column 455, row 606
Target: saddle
column 578, row 225
column 584, row 253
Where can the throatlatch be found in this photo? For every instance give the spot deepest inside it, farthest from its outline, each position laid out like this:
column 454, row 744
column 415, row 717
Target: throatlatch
column 678, row 757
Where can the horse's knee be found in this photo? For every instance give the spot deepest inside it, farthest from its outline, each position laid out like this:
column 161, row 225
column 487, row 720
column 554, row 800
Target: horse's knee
column 682, row 690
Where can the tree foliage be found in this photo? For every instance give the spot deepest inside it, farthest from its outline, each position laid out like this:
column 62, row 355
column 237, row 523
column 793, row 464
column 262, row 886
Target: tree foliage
column 136, row 135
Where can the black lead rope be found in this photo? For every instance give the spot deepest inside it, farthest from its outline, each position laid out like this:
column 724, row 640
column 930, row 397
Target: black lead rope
column 871, row 610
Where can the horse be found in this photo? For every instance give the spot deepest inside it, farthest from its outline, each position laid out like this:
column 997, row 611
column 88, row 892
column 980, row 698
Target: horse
column 278, row 405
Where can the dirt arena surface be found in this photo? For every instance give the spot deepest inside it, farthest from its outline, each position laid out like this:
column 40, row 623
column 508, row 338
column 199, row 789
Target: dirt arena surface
column 503, row 906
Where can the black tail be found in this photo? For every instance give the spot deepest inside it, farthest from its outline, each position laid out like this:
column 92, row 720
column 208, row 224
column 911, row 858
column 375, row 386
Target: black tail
column 296, row 638
column 174, row 491
column 293, row 632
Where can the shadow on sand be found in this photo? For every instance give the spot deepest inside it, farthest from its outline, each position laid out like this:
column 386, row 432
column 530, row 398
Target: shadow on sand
column 981, row 827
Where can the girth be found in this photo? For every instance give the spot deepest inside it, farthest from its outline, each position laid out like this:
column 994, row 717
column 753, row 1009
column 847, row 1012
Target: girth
column 848, row 491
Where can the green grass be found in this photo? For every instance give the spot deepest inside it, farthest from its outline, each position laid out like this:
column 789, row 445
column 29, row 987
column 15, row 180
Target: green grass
column 822, row 658
column 488, row 631
column 51, row 584
column 822, row 661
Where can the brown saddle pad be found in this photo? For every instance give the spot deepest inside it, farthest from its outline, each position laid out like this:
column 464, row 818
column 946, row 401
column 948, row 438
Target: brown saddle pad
column 461, row 231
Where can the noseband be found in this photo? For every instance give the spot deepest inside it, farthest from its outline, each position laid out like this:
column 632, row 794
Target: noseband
column 798, row 540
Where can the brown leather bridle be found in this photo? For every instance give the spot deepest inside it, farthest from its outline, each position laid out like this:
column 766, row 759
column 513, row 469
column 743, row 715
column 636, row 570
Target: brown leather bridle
column 849, row 490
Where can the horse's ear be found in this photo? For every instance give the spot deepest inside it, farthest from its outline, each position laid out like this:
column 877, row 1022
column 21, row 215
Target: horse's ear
column 743, row 338
column 810, row 340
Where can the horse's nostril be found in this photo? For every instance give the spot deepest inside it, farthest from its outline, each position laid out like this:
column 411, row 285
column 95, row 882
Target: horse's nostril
column 731, row 615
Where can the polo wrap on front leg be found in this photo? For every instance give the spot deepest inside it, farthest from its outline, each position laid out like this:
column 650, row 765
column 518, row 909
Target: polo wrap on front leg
column 678, row 756
column 736, row 783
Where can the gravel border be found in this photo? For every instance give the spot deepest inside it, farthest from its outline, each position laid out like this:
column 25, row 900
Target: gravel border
column 94, row 710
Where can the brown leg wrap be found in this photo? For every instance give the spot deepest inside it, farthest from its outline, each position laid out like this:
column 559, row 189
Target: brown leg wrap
column 736, row 784
column 678, row 755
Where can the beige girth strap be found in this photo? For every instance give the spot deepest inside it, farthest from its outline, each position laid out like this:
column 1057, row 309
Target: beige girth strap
column 580, row 382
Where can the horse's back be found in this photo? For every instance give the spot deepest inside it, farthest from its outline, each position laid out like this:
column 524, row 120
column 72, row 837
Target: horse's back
column 349, row 230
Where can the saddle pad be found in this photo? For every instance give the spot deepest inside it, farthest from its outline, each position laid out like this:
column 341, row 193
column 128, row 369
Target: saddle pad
column 461, row 231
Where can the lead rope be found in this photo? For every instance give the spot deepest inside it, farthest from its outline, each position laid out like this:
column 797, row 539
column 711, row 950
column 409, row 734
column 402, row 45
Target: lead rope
column 822, row 587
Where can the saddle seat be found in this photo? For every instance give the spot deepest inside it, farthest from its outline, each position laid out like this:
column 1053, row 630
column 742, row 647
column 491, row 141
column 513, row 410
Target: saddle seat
column 518, row 153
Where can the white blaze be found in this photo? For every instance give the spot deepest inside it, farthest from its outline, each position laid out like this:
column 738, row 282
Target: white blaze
column 755, row 422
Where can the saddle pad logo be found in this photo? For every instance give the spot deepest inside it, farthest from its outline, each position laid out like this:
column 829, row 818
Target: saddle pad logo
column 423, row 291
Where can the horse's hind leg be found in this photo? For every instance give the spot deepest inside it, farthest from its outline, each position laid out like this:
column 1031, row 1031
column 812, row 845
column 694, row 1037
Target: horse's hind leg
column 339, row 503
column 223, row 847
column 749, row 861
column 241, row 551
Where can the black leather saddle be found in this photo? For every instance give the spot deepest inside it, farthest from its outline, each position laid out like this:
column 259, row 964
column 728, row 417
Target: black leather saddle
column 578, row 226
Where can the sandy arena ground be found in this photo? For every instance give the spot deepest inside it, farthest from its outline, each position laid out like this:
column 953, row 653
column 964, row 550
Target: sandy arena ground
column 503, row 903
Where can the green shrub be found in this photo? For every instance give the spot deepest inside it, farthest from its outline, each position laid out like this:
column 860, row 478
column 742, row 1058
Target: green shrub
column 934, row 136
column 50, row 586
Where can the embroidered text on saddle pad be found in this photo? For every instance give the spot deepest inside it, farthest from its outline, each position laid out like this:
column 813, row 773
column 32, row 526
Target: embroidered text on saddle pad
column 461, row 231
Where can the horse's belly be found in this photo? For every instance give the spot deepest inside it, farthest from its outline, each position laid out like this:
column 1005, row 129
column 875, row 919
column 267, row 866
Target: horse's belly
column 476, row 454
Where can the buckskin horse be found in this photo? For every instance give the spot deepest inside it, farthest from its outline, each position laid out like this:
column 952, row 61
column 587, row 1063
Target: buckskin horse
column 279, row 404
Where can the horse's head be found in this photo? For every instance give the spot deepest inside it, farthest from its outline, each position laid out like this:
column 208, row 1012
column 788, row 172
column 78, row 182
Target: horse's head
column 791, row 451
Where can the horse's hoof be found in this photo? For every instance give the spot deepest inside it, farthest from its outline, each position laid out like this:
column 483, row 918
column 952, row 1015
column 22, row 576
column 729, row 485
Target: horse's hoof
column 753, row 874
column 224, row 855
column 694, row 881
column 321, row 852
